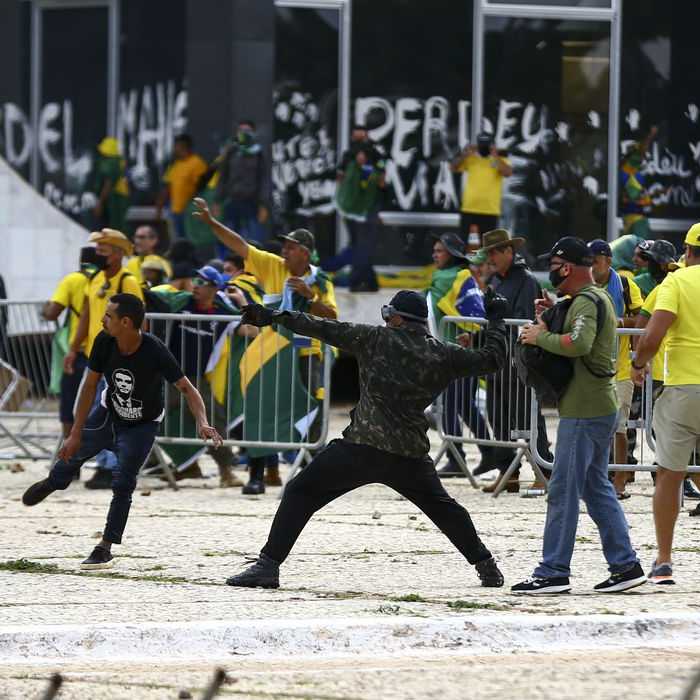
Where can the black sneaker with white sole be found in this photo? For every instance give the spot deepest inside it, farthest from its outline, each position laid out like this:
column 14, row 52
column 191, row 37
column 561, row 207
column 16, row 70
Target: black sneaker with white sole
column 542, row 586
column 99, row 559
column 622, row 581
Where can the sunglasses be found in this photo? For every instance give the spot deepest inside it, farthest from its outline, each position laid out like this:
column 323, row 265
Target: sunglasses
column 200, row 282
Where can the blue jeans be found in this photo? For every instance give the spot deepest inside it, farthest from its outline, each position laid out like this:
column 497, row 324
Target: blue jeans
column 581, row 472
column 132, row 445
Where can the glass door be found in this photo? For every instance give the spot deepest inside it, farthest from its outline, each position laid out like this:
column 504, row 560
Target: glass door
column 311, row 113
column 547, row 93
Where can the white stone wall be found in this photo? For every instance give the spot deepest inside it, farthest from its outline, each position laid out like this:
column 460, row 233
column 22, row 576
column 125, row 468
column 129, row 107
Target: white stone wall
column 38, row 243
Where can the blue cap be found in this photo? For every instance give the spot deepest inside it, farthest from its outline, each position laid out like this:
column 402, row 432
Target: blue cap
column 600, row 247
column 210, row 274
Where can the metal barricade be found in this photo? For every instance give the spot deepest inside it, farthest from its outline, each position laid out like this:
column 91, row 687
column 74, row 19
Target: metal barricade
column 496, row 408
column 266, row 394
column 29, row 428
column 276, row 394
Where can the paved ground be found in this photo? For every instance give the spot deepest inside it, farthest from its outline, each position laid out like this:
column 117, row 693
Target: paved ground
column 369, row 554
column 662, row 675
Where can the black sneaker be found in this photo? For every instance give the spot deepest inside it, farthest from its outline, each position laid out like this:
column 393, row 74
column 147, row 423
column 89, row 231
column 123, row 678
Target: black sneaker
column 489, row 573
column 36, row 493
column 695, row 512
column 99, row 559
column 265, row 573
column 689, row 490
column 622, row 582
column 542, row 586
column 254, row 487
column 101, row 479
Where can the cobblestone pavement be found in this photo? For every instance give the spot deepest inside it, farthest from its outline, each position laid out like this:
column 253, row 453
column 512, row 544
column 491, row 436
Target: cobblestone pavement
column 368, row 554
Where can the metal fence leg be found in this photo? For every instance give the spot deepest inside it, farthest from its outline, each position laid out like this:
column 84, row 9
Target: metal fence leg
column 509, row 472
column 165, row 465
column 441, row 452
column 303, row 456
column 462, row 461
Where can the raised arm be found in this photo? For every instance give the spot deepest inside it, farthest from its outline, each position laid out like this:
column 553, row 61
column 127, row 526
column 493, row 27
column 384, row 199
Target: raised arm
column 228, row 237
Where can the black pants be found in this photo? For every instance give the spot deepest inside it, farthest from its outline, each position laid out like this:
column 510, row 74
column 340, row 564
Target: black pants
column 344, row 466
column 132, row 445
column 485, row 222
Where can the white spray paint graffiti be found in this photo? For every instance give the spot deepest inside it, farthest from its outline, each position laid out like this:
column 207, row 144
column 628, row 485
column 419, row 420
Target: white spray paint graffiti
column 147, row 120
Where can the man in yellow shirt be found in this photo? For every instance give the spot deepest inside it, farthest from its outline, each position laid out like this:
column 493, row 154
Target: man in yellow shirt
column 627, row 300
column 70, row 294
column 145, row 246
column 481, row 200
column 677, row 413
column 287, row 280
column 112, row 278
column 182, row 180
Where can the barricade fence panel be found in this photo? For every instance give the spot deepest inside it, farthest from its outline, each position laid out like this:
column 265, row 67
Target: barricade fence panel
column 264, row 389
column 500, row 411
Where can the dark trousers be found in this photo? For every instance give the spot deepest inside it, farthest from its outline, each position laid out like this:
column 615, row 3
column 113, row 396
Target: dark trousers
column 131, row 444
column 485, row 222
column 508, row 407
column 363, row 238
column 343, row 466
column 460, row 401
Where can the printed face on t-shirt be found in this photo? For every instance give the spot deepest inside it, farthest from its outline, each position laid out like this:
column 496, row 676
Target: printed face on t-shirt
column 125, row 406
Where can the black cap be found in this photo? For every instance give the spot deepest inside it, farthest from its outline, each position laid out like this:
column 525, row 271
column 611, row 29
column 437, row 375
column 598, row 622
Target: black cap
column 600, row 247
column 410, row 305
column 183, row 269
column 454, row 245
column 302, row 237
column 573, row 250
column 660, row 251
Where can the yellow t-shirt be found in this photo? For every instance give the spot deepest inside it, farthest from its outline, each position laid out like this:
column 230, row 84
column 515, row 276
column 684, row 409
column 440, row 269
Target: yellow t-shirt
column 134, row 265
column 98, row 298
column 679, row 294
column 484, row 186
column 624, row 350
column 182, row 177
column 70, row 294
column 272, row 273
column 657, row 364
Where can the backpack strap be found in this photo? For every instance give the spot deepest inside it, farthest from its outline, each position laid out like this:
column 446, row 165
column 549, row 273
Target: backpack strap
column 120, row 285
column 600, row 319
column 626, row 294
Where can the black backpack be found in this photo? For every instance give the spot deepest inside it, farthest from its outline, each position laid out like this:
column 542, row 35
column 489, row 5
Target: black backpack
column 546, row 373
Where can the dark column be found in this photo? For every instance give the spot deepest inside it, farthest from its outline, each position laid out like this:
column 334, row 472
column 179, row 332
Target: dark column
column 229, row 69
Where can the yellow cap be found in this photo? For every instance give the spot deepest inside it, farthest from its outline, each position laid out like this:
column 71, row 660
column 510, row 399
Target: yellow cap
column 112, row 237
column 153, row 262
column 693, row 235
column 109, row 147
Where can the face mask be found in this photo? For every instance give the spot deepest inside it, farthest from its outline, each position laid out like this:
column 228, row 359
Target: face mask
column 245, row 138
column 483, row 150
column 101, row 262
column 556, row 278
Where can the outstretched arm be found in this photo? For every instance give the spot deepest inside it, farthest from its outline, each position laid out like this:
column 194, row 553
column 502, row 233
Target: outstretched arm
column 198, row 410
column 346, row 336
column 488, row 359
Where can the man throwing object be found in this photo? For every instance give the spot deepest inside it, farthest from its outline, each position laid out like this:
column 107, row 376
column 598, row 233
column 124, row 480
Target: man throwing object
column 402, row 370
column 126, row 420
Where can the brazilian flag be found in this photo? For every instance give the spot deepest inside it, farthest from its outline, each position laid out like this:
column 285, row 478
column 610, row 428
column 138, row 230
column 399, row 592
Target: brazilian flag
column 454, row 292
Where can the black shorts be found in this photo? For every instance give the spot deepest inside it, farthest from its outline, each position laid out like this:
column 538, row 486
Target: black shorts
column 485, row 222
column 70, row 384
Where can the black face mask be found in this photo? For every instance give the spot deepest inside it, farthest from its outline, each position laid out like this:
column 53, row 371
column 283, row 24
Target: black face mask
column 483, row 150
column 656, row 271
column 101, row 262
column 555, row 277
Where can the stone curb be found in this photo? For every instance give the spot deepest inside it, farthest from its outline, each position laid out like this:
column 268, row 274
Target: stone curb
column 473, row 634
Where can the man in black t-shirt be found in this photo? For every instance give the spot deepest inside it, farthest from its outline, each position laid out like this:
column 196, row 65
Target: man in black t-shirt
column 127, row 418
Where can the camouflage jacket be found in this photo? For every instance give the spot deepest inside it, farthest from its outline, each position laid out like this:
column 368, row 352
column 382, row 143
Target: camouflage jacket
column 402, row 371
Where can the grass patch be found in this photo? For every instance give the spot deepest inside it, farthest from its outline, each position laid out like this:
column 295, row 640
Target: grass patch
column 410, row 598
column 471, row 605
column 29, row 567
